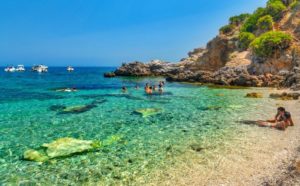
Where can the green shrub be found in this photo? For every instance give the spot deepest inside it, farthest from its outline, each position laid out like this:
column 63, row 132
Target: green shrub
column 275, row 8
column 227, row 29
column 294, row 4
column 270, row 42
column 238, row 20
column 250, row 24
column 265, row 23
column 245, row 38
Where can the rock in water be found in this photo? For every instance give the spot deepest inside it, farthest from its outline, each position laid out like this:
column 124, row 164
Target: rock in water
column 64, row 147
column 33, row 155
column 254, row 95
column 285, row 96
column 67, row 146
column 109, row 75
column 148, row 112
column 209, row 108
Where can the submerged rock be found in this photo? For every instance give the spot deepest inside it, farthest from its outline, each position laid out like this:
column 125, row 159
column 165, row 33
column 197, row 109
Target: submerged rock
column 37, row 156
column 196, row 148
column 285, row 96
column 209, row 108
column 148, row 112
column 64, row 147
column 109, row 75
column 67, row 146
column 98, row 101
column 254, row 95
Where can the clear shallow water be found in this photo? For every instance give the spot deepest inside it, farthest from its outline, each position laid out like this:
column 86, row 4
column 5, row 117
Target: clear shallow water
column 148, row 144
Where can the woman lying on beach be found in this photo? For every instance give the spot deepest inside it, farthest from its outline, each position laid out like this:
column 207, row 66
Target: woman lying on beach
column 282, row 120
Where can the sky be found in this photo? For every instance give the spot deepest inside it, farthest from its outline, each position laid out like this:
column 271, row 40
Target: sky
column 109, row 32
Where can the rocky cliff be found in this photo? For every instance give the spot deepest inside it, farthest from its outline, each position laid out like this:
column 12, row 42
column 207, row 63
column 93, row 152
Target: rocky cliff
column 259, row 49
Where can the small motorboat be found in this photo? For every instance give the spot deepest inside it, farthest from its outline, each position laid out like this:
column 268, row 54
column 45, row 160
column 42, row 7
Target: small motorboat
column 40, row 68
column 10, row 69
column 70, row 69
column 20, row 68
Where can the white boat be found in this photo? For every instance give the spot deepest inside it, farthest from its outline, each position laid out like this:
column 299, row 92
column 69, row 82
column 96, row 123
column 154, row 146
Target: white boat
column 20, row 68
column 40, row 68
column 70, row 69
column 10, row 69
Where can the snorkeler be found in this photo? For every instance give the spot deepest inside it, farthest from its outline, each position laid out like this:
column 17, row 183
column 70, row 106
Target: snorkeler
column 124, row 89
column 282, row 120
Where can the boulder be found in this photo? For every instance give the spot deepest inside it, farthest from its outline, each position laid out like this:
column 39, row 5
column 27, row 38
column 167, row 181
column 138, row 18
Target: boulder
column 285, row 96
column 67, row 146
column 254, row 95
column 109, row 75
column 37, row 156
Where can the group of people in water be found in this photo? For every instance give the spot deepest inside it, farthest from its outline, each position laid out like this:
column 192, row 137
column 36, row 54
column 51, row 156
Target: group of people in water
column 281, row 121
column 149, row 89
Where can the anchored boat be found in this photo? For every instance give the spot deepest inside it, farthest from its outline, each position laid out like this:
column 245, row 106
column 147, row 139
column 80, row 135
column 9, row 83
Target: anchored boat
column 40, row 68
column 10, row 69
column 20, row 68
column 70, row 69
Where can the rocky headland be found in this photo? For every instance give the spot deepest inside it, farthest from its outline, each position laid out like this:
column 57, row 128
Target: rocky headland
column 260, row 50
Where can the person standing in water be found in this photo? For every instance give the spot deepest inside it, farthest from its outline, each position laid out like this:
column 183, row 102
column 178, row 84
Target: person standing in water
column 160, row 87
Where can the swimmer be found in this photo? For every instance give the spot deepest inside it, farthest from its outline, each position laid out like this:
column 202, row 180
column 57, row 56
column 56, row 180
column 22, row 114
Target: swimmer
column 124, row 89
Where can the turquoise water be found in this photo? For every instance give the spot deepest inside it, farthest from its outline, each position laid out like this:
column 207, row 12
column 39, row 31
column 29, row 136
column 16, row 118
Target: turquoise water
column 190, row 116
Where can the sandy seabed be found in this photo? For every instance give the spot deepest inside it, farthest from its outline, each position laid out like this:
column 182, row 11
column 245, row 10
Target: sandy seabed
column 257, row 156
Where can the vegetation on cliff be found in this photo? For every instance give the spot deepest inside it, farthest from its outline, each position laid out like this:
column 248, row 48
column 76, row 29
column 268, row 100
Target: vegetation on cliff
column 245, row 38
column 271, row 42
column 265, row 23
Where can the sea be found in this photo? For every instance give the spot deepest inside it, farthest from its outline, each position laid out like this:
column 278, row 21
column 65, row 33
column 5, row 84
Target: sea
column 190, row 119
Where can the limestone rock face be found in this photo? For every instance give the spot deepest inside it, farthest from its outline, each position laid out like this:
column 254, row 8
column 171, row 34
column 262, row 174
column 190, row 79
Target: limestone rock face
column 133, row 69
column 215, row 56
column 283, row 62
column 233, row 76
column 153, row 68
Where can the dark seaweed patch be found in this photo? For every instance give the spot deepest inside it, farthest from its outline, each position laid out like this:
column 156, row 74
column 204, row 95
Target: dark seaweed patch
column 77, row 110
column 209, row 108
column 10, row 95
column 57, row 107
column 96, row 96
